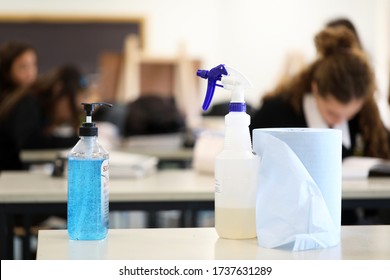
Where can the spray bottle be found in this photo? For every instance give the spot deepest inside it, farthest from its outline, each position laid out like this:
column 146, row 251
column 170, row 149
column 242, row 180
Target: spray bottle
column 88, row 183
column 236, row 166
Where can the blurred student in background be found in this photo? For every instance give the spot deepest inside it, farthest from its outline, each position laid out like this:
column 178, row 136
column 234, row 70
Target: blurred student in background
column 295, row 61
column 18, row 67
column 44, row 115
column 336, row 91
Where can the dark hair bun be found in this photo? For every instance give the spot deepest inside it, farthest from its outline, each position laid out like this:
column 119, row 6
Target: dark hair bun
column 335, row 40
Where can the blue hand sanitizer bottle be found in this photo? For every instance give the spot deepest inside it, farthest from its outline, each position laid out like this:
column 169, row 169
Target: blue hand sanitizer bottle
column 88, row 183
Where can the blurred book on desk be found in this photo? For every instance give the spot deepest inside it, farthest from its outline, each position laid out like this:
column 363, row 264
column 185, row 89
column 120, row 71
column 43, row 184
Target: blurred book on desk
column 127, row 165
column 364, row 167
column 124, row 164
column 161, row 141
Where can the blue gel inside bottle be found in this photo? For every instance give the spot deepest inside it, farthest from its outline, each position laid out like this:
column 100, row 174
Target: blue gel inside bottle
column 87, row 200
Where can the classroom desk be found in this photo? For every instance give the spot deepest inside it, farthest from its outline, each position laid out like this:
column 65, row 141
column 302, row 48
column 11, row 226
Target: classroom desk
column 369, row 193
column 39, row 156
column 181, row 189
column 28, row 193
column 357, row 242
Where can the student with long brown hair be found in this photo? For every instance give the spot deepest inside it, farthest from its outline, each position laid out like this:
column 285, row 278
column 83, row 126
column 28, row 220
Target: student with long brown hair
column 336, row 91
column 18, row 67
column 34, row 118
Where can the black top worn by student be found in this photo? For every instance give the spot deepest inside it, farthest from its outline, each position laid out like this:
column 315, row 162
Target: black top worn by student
column 23, row 128
column 277, row 112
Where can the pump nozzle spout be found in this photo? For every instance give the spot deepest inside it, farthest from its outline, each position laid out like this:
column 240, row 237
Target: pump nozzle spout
column 202, row 73
column 90, row 107
column 88, row 128
column 231, row 80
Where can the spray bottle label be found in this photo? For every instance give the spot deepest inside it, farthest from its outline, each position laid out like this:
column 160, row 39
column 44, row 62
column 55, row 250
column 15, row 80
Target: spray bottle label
column 104, row 191
column 218, row 186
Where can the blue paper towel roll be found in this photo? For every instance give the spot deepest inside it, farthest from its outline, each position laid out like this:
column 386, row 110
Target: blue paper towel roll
column 299, row 187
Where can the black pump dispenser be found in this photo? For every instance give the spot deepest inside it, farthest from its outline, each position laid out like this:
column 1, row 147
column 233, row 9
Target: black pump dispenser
column 88, row 128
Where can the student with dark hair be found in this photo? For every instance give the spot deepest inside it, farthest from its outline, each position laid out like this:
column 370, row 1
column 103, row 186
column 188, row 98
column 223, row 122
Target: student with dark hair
column 336, row 91
column 18, row 67
column 31, row 118
column 152, row 114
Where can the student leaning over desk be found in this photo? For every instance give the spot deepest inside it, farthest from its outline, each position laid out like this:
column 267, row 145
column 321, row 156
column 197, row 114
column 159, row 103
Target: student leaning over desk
column 336, row 91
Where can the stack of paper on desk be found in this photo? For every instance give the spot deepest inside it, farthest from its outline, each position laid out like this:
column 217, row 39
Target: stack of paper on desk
column 126, row 165
column 161, row 141
column 364, row 167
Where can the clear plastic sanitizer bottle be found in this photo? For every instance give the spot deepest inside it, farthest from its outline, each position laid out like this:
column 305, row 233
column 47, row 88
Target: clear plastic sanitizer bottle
column 88, row 183
column 236, row 166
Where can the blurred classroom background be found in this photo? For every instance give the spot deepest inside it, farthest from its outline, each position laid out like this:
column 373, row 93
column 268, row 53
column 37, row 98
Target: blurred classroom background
column 155, row 47
column 252, row 36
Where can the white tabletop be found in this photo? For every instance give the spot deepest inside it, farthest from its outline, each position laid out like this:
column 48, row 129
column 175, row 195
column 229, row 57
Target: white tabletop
column 357, row 242
column 165, row 185
column 371, row 188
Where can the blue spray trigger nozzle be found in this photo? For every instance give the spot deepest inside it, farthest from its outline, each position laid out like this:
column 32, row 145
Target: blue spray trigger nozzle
column 202, row 73
column 213, row 75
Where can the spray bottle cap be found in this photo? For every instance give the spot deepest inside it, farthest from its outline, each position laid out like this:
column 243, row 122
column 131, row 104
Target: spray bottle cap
column 230, row 79
column 88, row 128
